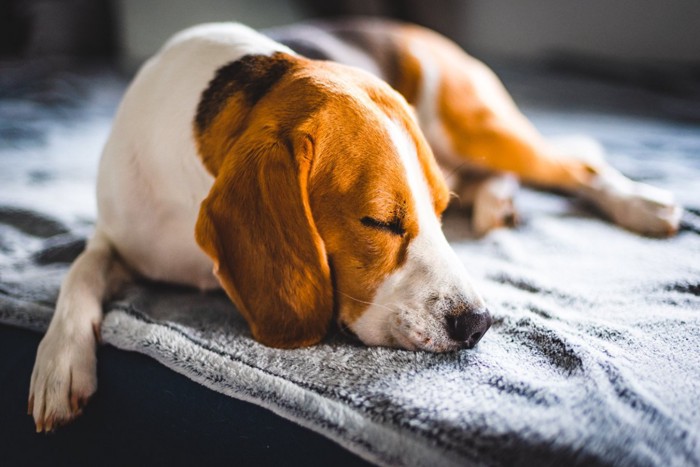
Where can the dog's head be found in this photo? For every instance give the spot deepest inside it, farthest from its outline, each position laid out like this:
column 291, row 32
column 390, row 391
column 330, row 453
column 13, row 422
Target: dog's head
column 327, row 197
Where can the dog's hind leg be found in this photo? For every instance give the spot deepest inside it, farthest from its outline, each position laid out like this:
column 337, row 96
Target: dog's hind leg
column 470, row 120
column 64, row 374
column 634, row 205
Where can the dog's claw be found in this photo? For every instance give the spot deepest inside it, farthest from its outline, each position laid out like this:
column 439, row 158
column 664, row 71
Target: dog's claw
column 74, row 407
column 77, row 403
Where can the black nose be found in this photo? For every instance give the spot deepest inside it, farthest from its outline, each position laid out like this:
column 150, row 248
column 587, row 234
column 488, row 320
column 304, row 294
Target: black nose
column 468, row 328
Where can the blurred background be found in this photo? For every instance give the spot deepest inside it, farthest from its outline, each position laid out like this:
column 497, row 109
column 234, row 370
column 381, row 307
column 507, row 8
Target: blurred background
column 625, row 29
column 629, row 30
column 647, row 45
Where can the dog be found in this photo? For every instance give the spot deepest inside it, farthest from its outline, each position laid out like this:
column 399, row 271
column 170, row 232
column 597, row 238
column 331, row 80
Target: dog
column 296, row 171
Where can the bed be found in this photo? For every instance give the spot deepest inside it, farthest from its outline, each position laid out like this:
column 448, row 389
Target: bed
column 592, row 358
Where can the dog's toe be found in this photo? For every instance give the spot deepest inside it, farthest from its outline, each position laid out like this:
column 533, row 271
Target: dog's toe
column 62, row 401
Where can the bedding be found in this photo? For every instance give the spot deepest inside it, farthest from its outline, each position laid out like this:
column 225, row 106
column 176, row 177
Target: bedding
column 592, row 358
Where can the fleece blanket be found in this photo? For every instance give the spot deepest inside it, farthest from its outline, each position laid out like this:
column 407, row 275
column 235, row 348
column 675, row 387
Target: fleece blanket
column 592, row 359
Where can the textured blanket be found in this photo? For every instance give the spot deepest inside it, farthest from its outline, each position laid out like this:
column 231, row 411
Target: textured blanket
column 593, row 357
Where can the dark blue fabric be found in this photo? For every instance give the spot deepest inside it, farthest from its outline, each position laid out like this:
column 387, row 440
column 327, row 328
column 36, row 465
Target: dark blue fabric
column 146, row 414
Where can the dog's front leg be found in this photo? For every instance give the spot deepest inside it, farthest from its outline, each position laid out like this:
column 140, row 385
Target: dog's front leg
column 490, row 197
column 64, row 374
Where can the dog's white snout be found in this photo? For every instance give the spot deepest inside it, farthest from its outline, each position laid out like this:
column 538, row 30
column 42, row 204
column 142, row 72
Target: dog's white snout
column 427, row 304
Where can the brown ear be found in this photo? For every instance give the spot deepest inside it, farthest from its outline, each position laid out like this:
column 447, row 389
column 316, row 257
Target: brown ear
column 256, row 225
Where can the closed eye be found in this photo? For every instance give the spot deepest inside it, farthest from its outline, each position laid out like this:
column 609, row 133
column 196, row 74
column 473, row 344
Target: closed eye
column 394, row 226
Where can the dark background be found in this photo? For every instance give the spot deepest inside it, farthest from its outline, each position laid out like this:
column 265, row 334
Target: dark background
column 644, row 43
column 627, row 30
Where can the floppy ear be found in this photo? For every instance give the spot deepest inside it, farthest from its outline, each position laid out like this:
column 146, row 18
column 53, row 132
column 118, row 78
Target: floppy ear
column 256, row 225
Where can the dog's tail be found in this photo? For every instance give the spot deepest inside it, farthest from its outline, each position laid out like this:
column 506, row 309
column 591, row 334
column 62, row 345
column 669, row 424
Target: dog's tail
column 64, row 375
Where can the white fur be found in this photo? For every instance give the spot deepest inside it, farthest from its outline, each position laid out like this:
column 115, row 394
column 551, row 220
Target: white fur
column 402, row 313
column 150, row 185
column 151, row 181
column 427, row 110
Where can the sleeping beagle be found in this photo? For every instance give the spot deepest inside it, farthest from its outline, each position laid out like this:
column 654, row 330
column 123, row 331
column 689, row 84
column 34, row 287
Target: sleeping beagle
column 295, row 178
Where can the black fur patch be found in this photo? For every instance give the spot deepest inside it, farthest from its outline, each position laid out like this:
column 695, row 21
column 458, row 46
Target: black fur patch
column 253, row 75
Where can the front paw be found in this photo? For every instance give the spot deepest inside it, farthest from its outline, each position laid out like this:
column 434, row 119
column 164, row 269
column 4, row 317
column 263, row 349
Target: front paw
column 639, row 207
column 493, row 204
column 63, row 379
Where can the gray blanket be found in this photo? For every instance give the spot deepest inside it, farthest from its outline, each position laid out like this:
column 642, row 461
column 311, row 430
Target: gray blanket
column 592, row 359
